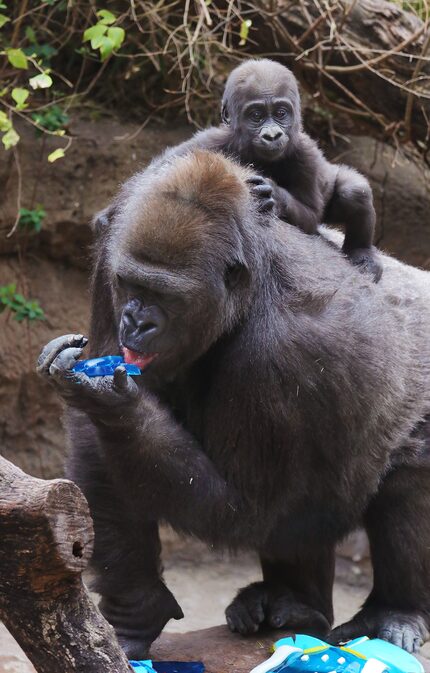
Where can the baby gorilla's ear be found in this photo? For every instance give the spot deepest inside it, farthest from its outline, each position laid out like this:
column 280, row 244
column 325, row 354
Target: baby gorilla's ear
column 101, row 221
column 225, row 115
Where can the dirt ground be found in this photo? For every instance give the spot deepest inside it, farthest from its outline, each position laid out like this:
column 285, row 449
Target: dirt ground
column 204, row 583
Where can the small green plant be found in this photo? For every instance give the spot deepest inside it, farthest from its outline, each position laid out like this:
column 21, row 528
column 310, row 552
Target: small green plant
column 32, row 219
column 103, row 36
column 52, row 119
column 22, row 308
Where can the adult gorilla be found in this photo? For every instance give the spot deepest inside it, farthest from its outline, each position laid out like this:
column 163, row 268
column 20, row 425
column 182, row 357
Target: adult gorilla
column 284, row 400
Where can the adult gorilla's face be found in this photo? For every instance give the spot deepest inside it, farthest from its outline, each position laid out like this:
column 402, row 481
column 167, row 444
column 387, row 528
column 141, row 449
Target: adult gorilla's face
column 261, row 104
column 179, row 275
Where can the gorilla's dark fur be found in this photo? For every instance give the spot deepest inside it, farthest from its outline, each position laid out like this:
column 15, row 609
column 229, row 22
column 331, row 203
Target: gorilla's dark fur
column 262, row 126
column 289, row 403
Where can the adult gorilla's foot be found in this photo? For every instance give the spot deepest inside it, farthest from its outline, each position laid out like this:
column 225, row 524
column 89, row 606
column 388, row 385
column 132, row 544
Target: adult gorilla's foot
column 407, row 629
column 138, row 620
column 276, row 606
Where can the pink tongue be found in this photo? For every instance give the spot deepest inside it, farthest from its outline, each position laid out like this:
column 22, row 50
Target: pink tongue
column 141, row 360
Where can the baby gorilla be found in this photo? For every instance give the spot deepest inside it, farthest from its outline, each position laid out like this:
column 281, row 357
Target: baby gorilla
column 262, row 126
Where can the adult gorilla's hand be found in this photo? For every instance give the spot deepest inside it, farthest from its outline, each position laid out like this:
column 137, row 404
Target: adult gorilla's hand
column 105, row 398
column 262, row 189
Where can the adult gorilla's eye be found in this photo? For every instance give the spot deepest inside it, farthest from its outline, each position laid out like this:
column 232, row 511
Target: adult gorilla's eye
column 233, row 275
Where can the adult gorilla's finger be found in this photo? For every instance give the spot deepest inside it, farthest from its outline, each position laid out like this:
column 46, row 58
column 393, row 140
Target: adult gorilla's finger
column 54, row 347
column 122, row 382
column 64, row 363
column 295, row 615
column 407, row 639
column 347, row 631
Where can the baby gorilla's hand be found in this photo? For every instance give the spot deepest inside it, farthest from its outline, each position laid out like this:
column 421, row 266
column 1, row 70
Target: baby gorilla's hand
column 262, row 189
column 104, row 398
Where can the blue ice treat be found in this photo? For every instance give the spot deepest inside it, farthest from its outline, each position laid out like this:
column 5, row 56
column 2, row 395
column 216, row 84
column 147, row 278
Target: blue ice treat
column 105, row 366
column 305, row 653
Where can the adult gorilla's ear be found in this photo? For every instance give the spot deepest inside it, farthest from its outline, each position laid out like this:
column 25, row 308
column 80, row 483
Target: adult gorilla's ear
column 235, row 274
column 101, row 221
column 225, row 115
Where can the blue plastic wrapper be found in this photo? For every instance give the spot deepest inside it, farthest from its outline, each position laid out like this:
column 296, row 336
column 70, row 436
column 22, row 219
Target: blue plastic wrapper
column 105, row 366
column 306, row 654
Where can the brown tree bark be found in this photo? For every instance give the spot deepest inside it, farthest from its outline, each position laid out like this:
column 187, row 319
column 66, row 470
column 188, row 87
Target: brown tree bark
column 46, row 540
column 369, row 58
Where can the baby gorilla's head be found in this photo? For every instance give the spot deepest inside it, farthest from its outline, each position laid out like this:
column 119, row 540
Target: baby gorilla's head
column 261, row 104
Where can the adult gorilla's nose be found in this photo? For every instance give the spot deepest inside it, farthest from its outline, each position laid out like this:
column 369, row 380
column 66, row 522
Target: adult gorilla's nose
column 140, row 325
column 270, row 133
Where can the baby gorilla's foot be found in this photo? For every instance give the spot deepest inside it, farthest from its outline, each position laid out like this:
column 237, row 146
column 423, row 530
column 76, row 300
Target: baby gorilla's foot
column 408, row 630
column 367, row 261
column 139, row 619
column 275, row 606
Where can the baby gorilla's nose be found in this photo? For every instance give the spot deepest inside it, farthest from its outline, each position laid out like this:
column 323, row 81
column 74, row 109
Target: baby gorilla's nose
column 271, row 133
column 140, row 325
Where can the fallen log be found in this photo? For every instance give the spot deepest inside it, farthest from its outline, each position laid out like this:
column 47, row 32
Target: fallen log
column 46, row 541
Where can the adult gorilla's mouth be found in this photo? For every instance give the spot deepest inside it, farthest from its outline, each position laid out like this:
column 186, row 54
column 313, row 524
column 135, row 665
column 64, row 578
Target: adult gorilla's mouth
column 141, row 360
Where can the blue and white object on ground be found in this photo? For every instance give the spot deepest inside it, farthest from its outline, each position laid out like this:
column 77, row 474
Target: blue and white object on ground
column 149, row 666
column 105, row 366
column 305, row 653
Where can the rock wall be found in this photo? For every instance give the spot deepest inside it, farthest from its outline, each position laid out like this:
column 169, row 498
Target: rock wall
column 53, row 266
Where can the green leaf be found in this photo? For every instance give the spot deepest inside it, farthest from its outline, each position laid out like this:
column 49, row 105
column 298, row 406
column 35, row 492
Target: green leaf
column 5, row 122
column 32, row 219
column 10, row 139
column 3, row 19
column 106, row 47
column 20, row 96
column 244, row 31
column 30, row 35
column 17, row 58
column 40, row 81
column 117, row 36
column 56, row 154
column 94, row 32
column 97, row 41
column 106, row 17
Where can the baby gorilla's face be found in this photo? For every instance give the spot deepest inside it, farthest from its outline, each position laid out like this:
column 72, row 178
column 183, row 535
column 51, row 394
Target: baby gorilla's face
column 265, row 121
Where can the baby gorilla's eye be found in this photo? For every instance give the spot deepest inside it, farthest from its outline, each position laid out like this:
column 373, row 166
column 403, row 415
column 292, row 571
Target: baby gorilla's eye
column 256, row 115
column 281, row 112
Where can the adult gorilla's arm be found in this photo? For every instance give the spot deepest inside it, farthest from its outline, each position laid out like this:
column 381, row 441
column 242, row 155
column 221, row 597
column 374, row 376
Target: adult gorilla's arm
column 163, row 466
